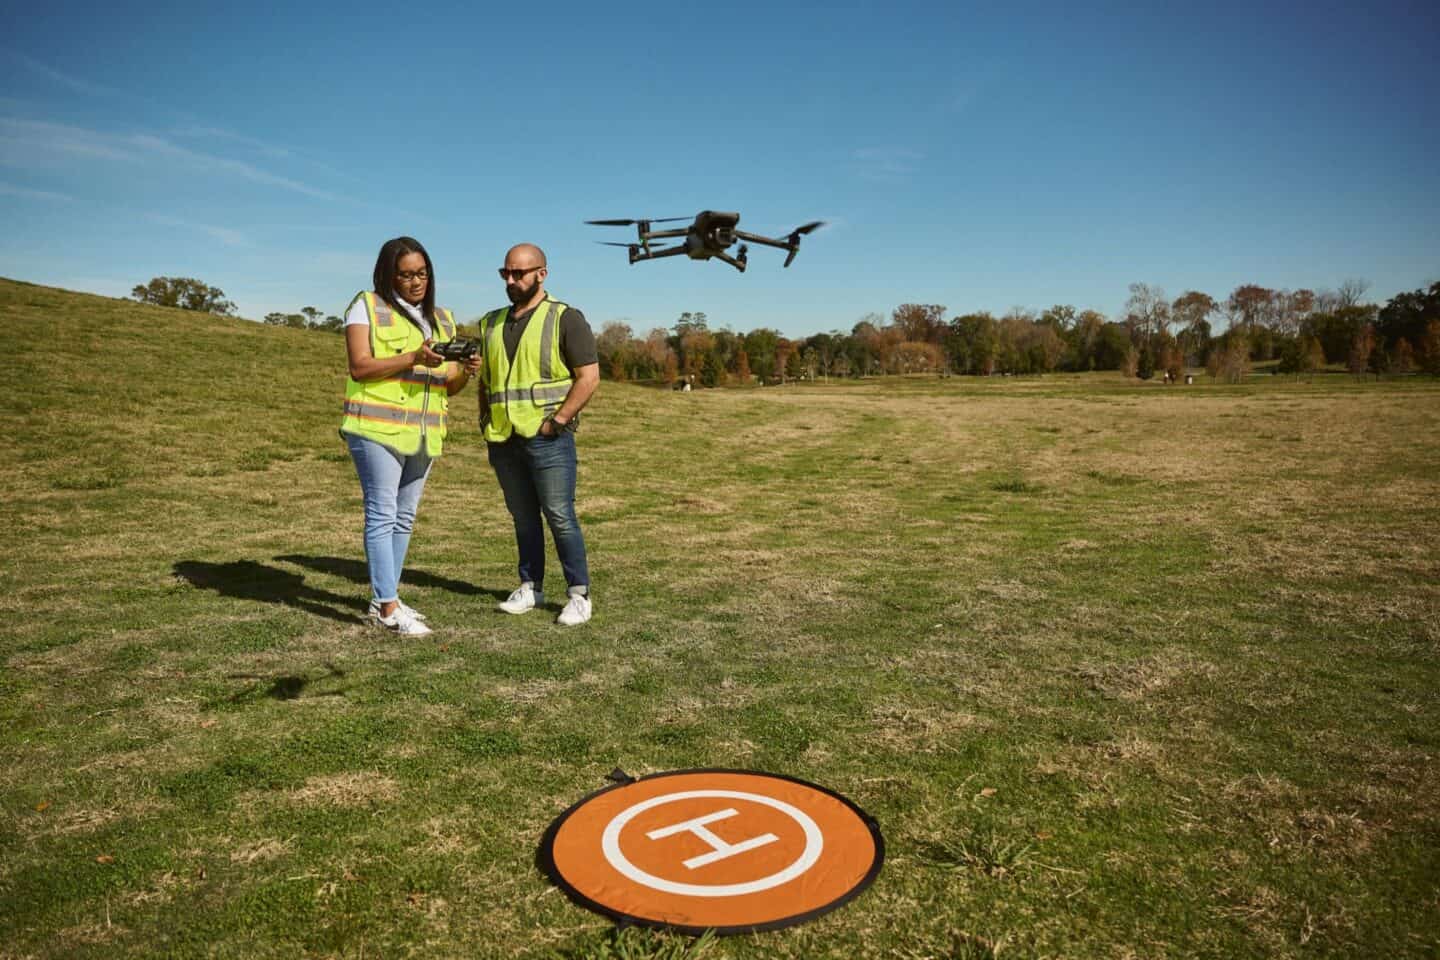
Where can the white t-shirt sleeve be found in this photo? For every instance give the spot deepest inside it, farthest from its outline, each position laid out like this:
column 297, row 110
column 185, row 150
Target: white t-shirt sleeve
column 357, row 315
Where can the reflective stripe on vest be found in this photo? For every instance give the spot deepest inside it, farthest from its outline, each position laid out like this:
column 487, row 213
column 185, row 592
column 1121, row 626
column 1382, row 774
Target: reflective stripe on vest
column 522, row 392
column 544, row 396
column 407, row 410
column 383, row 414
column 421, row 376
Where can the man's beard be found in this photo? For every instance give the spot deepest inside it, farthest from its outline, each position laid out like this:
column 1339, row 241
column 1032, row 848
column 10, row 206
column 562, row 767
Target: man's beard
column 518, row 293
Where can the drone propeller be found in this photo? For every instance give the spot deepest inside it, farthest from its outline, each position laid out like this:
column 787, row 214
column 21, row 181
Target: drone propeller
column 648, row 248
column 794, row 239
column 631, row 223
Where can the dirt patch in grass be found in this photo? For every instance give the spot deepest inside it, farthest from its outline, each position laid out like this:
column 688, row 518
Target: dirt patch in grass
column 1137, row 679
column 260, row 850
column 531, row 691
column 77, row 822
column 346, row 790
column 921, row 729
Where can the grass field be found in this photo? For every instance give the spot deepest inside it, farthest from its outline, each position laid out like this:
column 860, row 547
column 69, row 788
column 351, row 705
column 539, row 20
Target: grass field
column 1122, row 670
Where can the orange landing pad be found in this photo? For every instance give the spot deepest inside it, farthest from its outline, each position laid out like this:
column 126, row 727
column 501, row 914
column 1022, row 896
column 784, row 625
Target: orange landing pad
column 728, row 850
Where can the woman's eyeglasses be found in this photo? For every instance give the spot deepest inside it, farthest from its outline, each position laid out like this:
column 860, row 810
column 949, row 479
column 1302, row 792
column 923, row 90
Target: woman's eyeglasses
column 409, row 276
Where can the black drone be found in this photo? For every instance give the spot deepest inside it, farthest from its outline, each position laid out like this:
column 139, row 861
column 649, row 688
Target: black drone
column 709, row 236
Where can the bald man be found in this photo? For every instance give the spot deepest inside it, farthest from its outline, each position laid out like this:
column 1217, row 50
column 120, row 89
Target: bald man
column 540, row 369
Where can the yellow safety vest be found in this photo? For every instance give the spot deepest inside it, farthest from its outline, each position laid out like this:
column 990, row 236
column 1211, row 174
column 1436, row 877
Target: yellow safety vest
column 405, row 409
column 522, row 393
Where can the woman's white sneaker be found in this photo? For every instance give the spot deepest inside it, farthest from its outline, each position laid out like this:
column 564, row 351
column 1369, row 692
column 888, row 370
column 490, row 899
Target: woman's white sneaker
column 523, row 600
column 415, row 614
column 576, row 612
column 402, row 623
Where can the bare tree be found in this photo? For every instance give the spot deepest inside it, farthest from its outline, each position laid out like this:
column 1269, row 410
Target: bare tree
column 1235, row 364
column 1130, row 365
column 1352, row 292
column 1147, row 312
column 1286, row 310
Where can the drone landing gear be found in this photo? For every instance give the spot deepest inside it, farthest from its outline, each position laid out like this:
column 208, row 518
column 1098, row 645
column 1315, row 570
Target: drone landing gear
column 738, row 261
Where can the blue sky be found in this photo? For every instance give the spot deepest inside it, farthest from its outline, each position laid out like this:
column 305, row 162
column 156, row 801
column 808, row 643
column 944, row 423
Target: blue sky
column 979, row 156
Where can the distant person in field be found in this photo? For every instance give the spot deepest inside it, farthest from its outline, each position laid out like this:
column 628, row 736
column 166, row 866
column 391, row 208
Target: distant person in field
column 395, row 403
column 540, row 369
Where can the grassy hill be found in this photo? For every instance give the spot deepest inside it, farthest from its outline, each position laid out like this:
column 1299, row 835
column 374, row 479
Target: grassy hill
column 1122, row 670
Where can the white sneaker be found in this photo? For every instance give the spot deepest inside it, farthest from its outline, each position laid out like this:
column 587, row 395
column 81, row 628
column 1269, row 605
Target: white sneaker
column 576, row 612
column 523, row 600
column 413, row 613
column 402, row 623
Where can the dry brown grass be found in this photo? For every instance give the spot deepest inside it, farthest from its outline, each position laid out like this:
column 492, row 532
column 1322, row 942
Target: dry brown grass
column 347, row 790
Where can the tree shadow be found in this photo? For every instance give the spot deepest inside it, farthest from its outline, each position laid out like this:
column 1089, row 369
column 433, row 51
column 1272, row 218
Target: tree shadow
column 356, row 571
column 248, row 580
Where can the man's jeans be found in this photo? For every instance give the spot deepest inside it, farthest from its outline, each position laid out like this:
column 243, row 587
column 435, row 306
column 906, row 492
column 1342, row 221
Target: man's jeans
column 537, row 475
column 392, row 485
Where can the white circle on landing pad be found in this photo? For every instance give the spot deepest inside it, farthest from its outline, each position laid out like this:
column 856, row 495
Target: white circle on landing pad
column 814, row 846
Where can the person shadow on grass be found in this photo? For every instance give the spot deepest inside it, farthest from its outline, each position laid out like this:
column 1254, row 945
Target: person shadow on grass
column 249, row 580
column 356, row 572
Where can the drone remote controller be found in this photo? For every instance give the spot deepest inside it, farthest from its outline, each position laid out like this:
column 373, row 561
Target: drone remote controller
column 459, row 349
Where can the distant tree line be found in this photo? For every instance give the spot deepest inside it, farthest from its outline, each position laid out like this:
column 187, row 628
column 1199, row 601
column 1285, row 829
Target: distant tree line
column 308, row 318
column 188, row 293
column 1300, row 331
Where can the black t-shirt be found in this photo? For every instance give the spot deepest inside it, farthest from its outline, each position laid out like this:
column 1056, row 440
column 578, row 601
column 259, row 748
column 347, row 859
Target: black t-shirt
column 577, row 341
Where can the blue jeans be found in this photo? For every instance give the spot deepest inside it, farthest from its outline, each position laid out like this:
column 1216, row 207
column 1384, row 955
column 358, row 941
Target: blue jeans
column 537, row 475
column 392, row 485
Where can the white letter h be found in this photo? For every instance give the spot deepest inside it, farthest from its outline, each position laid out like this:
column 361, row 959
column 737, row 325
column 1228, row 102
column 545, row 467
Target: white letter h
column 721, row 850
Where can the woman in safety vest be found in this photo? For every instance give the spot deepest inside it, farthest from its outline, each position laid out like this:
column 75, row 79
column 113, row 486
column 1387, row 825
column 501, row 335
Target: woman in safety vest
column 395, row 404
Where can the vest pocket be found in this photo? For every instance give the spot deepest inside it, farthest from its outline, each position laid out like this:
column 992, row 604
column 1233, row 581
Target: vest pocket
column 549, row 394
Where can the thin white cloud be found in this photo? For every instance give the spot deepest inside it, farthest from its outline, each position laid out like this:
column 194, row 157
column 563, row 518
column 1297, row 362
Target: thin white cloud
column 262, row 147
column 239, row 168
column 22, row 135
column 64, row 79
column 74, row 140
column 197, row 132
column 227, row 236
column 19, row 136
column 10, row 190
column 887, row 163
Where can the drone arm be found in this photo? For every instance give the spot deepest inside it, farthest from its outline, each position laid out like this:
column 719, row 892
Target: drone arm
column 639, row 255
column 767, row 241
column 661, row 235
